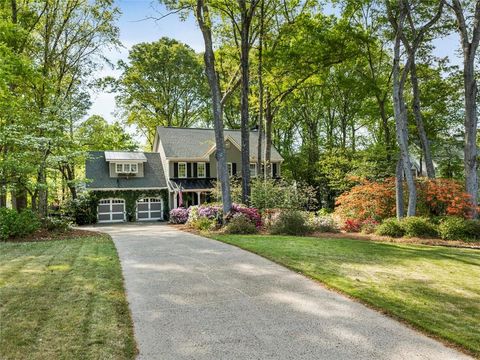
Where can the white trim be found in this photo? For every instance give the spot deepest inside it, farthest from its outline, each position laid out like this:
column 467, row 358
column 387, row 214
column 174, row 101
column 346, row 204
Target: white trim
column 178, row 170
column 123, row 165
column 230, row 169
column 111, row 213
column 204, row 169
column 249, row 169
column 149, row 211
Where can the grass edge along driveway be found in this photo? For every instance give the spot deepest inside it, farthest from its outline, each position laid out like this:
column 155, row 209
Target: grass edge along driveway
column 64, row 299
column 435, row 289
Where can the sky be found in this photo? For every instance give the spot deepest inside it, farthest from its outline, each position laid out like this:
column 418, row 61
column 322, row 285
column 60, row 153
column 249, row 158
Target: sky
column 138, row 24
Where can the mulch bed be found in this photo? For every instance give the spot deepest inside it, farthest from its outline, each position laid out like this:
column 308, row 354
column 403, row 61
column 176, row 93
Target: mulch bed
column 368, row 237
column 45, row 235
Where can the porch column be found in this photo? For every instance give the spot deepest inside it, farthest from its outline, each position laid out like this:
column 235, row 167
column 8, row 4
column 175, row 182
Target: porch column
column 175, row 200
column 198, row 195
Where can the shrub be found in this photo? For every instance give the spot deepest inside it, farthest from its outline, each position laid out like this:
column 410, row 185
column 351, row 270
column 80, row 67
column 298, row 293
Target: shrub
column 390, row 227
column 210, row 211
column 325, row 223
column 240, row 223
column 14, row 224
column 291, row 222
column 178, row 215
column 82, row 210
column 369, row 226
column 456, row 228
column 251, row 213
column 56, row 224
column 204, row 223
column 418, row 227
column 352, row 225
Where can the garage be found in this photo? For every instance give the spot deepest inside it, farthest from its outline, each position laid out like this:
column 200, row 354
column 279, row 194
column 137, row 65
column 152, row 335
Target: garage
column 150, row 209
column 111, row 210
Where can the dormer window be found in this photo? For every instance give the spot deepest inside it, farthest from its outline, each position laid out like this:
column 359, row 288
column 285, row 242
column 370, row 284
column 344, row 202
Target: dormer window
column 126, row 168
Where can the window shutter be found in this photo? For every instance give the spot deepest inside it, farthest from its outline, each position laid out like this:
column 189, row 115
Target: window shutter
column 234, row 169
column 189, row 170
column 274, row 170
column 175, row 170
column 207, row 169
column 195, row 173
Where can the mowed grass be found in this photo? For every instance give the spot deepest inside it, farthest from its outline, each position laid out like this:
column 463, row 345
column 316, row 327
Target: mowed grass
column 436, row 289
column 63, row 300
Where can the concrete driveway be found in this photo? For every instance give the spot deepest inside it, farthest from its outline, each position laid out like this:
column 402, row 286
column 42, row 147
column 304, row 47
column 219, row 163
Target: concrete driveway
column 196, row 298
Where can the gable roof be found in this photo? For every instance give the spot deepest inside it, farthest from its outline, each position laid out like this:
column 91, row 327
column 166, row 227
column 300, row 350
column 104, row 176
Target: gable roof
column 98, row 172
column 184, row 143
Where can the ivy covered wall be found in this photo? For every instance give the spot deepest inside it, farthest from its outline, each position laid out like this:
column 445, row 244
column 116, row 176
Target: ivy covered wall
column 130, row 197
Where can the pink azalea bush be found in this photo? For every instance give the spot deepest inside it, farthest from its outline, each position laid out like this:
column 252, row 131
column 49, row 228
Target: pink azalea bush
column 210, row 211
column 178, row 215
column 251, row 213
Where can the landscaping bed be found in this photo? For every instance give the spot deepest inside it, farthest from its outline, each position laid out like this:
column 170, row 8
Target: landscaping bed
column 434, row 289
column 64, row 300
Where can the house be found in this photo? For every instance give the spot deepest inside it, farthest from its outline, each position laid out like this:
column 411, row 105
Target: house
column 181, row 171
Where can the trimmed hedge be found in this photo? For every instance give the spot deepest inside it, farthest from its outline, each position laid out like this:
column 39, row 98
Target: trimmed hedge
column 455, row 228
column 15, row 224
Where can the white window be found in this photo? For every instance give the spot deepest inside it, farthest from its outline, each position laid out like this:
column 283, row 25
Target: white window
column 230, row 169
column 201, row 170
column 182, row 169
column 253, row 169
column 126, row 168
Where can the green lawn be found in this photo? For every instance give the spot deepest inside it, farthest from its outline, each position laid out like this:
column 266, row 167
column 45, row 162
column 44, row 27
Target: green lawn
column 436, row 289
column 63, row 300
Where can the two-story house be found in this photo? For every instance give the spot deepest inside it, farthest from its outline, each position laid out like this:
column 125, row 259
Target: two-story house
column 181, row 170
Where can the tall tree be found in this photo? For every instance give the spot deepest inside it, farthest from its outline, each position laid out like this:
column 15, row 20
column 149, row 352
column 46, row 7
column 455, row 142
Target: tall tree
column 470, row 37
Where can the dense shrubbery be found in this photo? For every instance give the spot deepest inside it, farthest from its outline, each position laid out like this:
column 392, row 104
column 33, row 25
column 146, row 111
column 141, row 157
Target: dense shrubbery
column 291, row 222
column 82, row 210
column 376, row 200
column 390, row 227
column 455, row 228
column 179, row 215
column 56, row 224
column 251, row 213
column 418, row 227
column 322, row 223
column 240, row 223
column 17, row 224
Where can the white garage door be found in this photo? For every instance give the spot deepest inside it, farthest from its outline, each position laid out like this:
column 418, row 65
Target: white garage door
column 111, row 210
column 150, row 209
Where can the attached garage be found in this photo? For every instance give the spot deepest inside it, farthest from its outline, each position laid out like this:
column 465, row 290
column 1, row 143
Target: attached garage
column 150, row 209
column 111, row 210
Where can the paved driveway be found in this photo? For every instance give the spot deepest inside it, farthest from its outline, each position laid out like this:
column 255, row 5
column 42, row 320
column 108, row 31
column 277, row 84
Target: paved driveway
column 195, row 298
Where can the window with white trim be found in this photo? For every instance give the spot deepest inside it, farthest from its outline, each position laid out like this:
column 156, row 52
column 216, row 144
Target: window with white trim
column 182, row 169
column 230, row 169
column 253, row 169
column 201, row 170
column 126, row 168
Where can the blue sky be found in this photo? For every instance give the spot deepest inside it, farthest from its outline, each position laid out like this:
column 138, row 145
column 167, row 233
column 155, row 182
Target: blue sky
column 137, row 25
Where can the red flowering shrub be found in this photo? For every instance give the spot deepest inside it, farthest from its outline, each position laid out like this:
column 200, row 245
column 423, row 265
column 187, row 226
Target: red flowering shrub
column 376, row 200
column 251, row 213
column 352, row 225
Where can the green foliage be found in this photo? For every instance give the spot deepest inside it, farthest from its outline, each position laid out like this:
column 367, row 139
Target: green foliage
column 82, row 210
column 322, row 223
column 291, row 222
column 418, row 227
column 390, row 227
column 240, row 224
column 57, row 224
column 15, row 224
column 456, row 228
column 203, row 224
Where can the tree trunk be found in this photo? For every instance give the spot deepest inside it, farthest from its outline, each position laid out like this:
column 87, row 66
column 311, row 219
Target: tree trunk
column 400, row 206
column 244, row 112
column 204, row 22
column 425, row 144
column 268, row 135
column 400, row 114
column 260, row 90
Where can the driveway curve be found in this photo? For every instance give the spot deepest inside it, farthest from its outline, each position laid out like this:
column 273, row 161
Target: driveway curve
column 196, row 298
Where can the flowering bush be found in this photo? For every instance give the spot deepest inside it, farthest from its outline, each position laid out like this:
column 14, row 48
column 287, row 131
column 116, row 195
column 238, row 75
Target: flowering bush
column 352, row 225
column 210, row 211
column 324, row 223
column 369, row 226
column 179, row 215
column 251, row 213
column 376, row 200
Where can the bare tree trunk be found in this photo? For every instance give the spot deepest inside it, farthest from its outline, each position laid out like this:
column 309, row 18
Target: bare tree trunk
column 425, row 144
column 400, row 206
column 260, row 90
column 471, row 121
column 204, row 22
column 268, row 135
column 399, row 110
